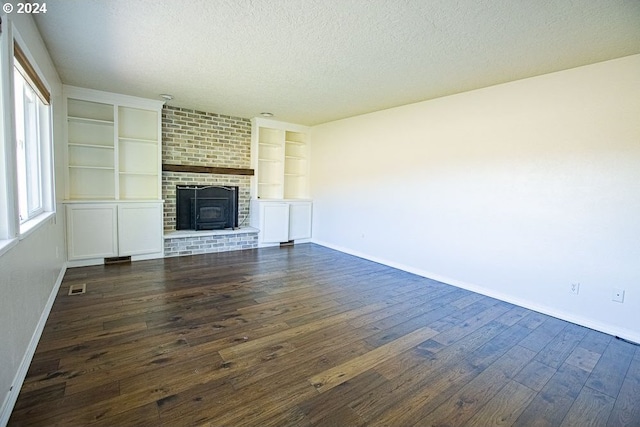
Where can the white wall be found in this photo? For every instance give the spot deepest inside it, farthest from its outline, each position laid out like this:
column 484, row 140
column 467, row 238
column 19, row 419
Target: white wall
column 31, row 270
column 515, row 191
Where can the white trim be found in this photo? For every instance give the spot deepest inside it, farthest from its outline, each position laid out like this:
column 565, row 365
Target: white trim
column 33, row 224
column 277, row 124
column 106, row 201
column 145, row 257
column 7, row 244
column 8, row 192
column 100, row 261
column 117, row 100
column 18, row 380
column 46, row 143
column 32, row 61
column 85, row 262
column 624, row 333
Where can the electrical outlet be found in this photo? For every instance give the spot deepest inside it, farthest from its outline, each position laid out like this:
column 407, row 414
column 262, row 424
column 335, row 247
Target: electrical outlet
column 618, row 295
column 575, row 288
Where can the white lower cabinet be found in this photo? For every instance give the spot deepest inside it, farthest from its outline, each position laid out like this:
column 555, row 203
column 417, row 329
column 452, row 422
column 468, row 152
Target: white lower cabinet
column 139, row 228
column 274, row 224
column 299, row 220
column 103, row 230
column 92, row 231
column 281, row 221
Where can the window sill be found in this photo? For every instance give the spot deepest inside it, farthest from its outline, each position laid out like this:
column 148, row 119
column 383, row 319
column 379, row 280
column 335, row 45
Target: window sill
column 34, row 223
column 7, row 244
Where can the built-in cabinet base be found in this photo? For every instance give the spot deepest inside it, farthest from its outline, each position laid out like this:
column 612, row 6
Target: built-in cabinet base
column 96, row 231
column 281, row 221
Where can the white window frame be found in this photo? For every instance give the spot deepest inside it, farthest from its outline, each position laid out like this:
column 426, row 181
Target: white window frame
column 44, row 125
column 8, row 228
column 11, row 228
column 32, row 135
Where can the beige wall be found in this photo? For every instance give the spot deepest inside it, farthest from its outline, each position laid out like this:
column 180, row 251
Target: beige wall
column 516, row 191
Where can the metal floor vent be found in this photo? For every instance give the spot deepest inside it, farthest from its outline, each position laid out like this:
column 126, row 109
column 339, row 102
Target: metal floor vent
column 77, row 289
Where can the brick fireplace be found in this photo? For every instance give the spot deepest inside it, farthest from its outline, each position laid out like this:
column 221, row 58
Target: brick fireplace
column 196, row 138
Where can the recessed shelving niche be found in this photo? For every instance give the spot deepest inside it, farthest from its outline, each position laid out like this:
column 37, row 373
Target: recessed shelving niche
column 113, row 149
column 280, row 158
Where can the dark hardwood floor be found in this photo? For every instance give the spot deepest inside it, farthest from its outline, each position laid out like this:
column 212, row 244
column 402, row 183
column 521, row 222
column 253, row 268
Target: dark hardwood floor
column 306, row 336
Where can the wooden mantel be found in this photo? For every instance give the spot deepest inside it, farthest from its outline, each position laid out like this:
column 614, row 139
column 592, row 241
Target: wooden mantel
column 206, row 169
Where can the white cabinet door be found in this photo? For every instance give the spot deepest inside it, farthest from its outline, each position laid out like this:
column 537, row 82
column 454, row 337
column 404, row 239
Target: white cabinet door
column 281, row 221
column 299, row 220
column 92, row 231
column 274, row 227
column 139, row 228
column 105, row 230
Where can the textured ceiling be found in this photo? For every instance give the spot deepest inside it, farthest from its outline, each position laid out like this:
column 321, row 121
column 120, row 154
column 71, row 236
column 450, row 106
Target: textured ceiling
column 313, row 61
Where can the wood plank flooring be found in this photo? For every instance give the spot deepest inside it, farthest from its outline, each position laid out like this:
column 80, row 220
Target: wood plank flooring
column 307, row 336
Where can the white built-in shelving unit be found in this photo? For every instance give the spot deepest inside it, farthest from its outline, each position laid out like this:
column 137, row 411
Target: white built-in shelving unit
column 280, row 154
column 113, row 163
column 281, row 206
column 90, row 150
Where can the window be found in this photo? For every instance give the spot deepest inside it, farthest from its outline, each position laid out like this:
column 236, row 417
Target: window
column 29, row 163
column 33, row 140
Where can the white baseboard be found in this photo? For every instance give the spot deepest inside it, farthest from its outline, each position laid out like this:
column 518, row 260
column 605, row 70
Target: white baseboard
column 85, row 262
column 144, row 257
column 100, row 261
column 295, row 242
column 626, row 334
column 18, row 380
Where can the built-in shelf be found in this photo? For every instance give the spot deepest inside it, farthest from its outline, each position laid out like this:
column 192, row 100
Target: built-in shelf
column 113, row 146
column 95, row 198
column 75, row 144
column 279, row 154
column 141, row 140
column 91, row 167
column 138, row 173
column 90, row 121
